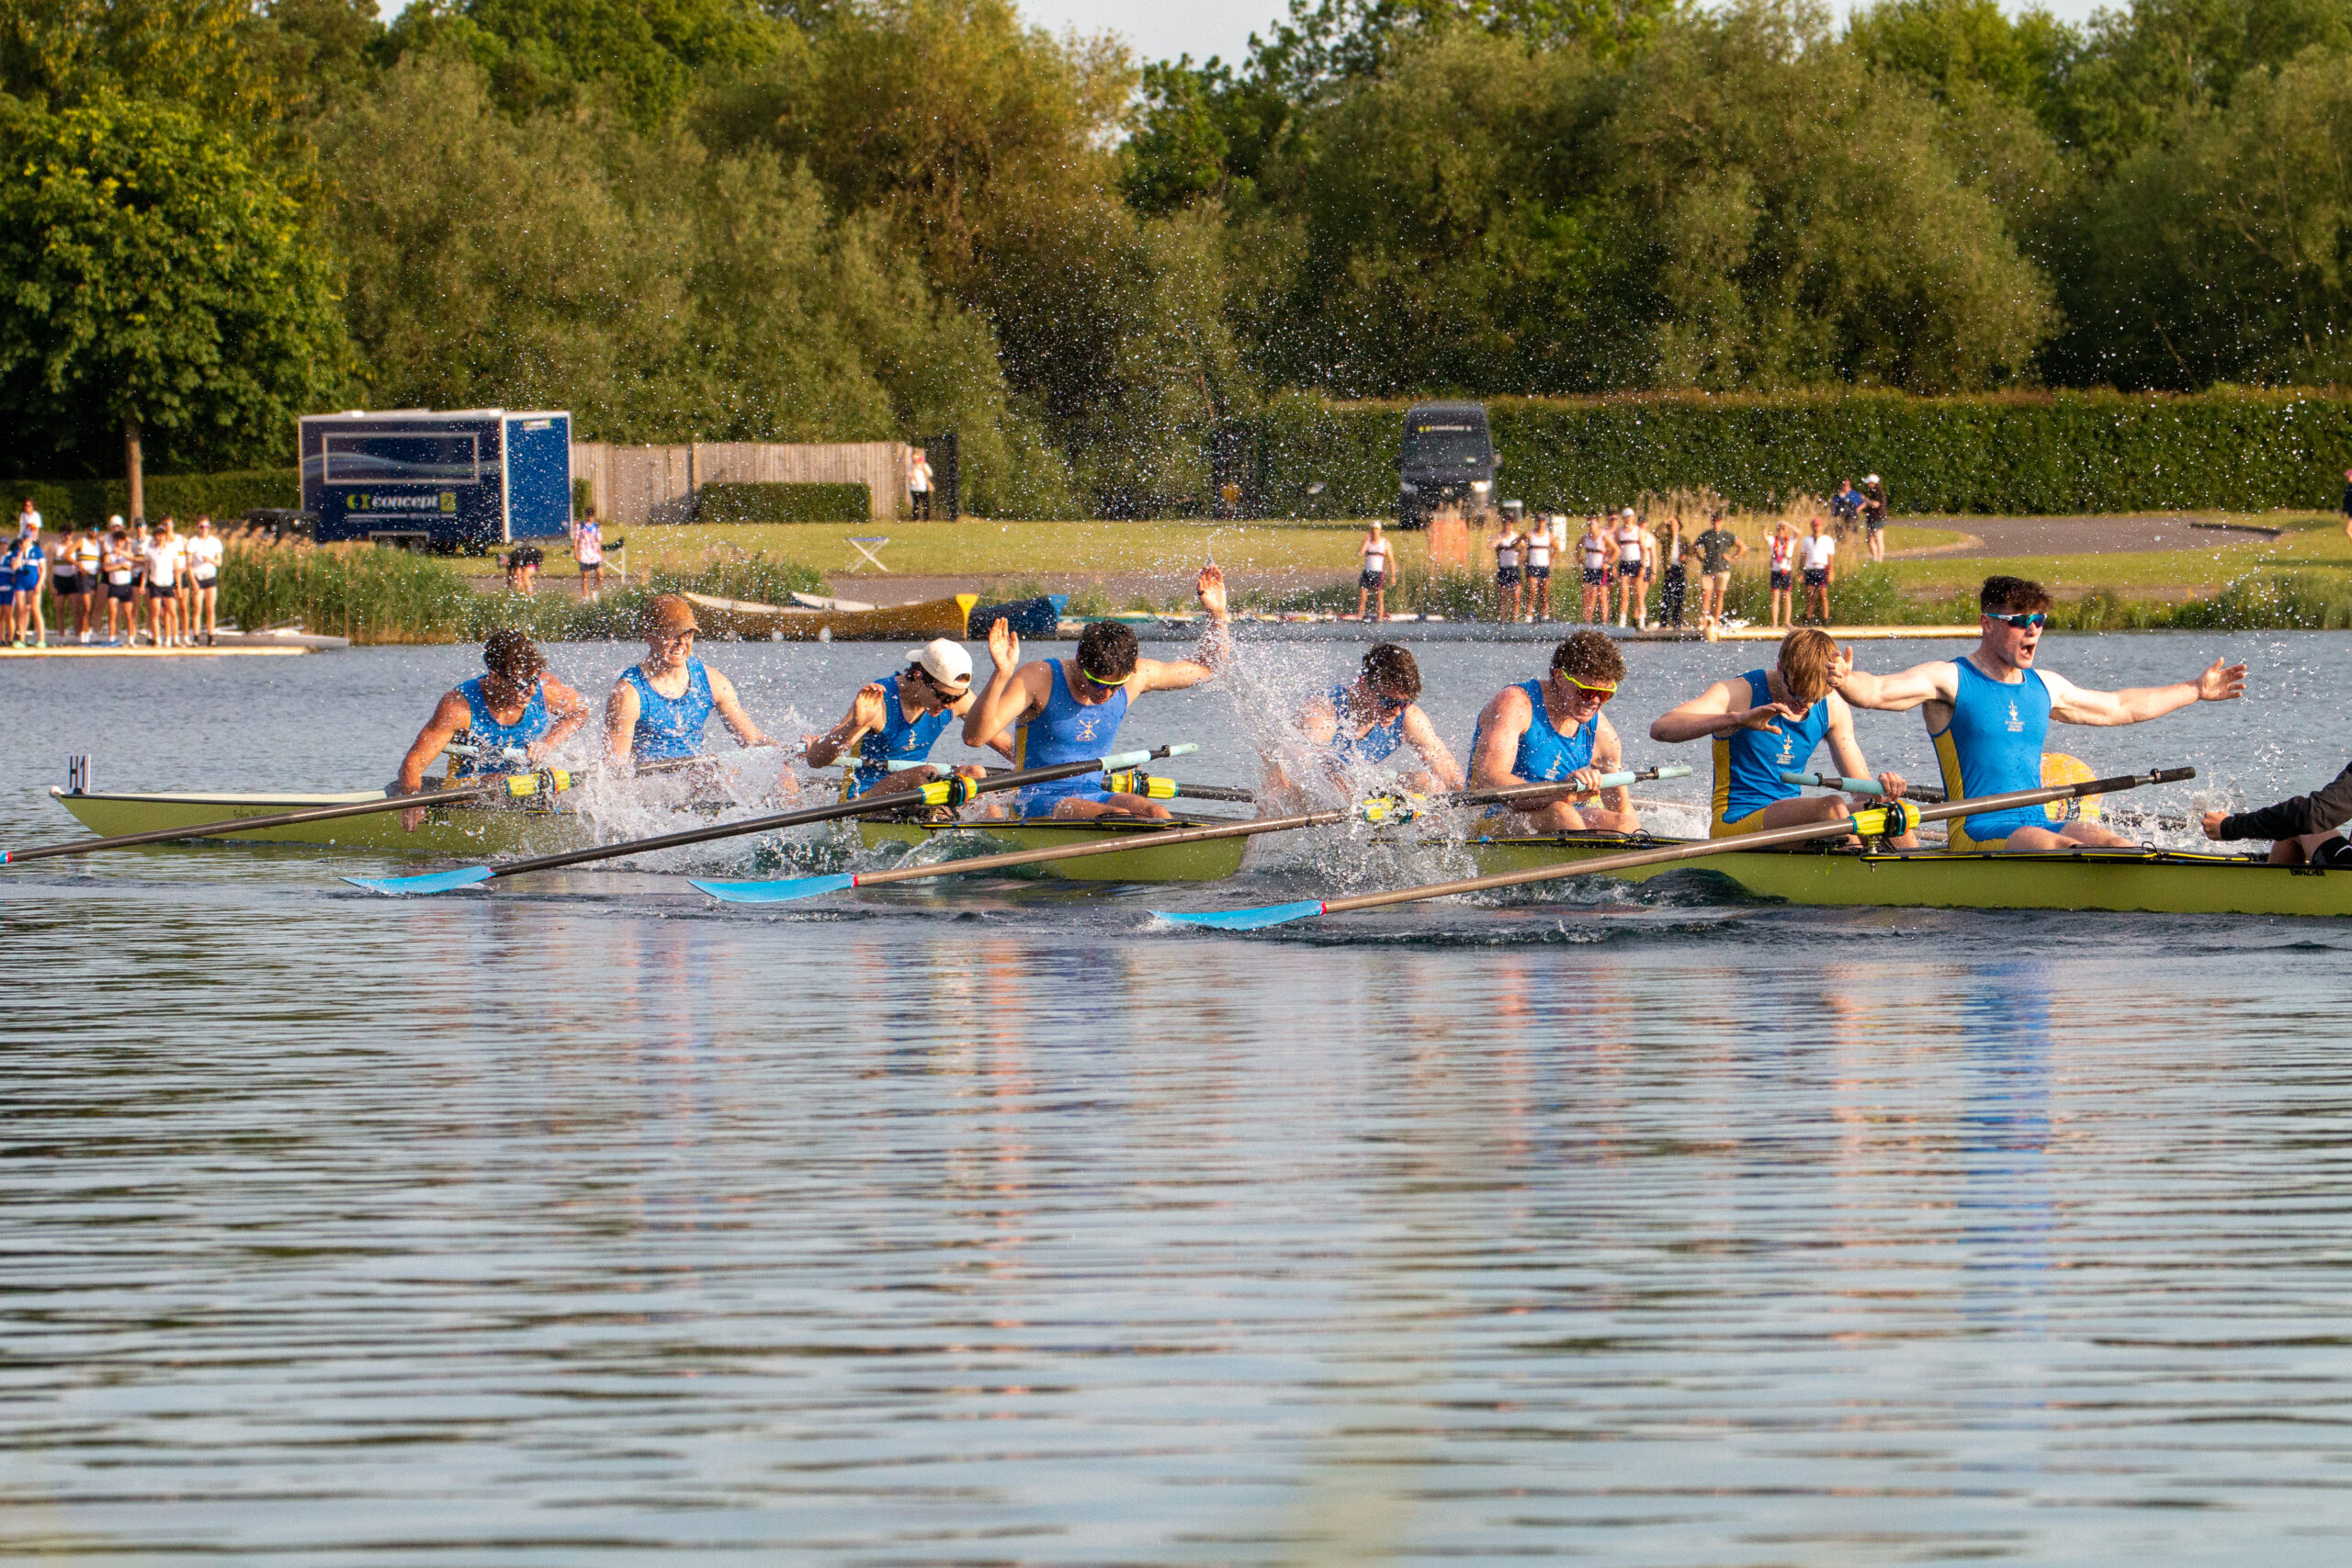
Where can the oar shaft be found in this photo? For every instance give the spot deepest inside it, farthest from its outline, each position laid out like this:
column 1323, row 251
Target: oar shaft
column 1764, row 839
column 255, row 824
column 1555, row 787
column 866, row 805
column 1861, row 787
column 1141, row 840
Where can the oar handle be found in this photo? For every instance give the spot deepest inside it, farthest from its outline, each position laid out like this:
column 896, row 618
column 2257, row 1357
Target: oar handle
column 939, row 792
column 1795, row 835
column 1860, row 787
column 1558, row 786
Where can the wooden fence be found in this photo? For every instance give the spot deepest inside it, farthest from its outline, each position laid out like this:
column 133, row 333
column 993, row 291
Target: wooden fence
column 658, row 484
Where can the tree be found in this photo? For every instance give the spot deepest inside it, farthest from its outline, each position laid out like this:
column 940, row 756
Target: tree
column 158, row 283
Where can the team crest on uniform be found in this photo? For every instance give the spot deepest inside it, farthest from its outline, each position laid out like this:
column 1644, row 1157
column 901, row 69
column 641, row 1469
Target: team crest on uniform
column 2016, row 725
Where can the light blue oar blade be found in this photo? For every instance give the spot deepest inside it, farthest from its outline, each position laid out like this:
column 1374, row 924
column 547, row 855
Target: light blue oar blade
column 1246, row 920
column 778, row 890
column 431, row 881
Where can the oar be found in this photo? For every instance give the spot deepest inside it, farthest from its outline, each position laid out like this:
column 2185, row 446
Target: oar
column 939, row 792
column 1861, row 787
column 1888, row 820
column 1558, row 786
column 783, row 890
column 515, row 784
column 1152, row 788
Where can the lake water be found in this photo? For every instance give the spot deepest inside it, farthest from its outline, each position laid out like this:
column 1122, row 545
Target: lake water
column 581, row 1221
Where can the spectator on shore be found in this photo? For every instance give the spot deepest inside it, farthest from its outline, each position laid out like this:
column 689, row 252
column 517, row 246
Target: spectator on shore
column 203, row 608
column 918, row 485
column 522, row 569
column 65, row 582
column 1508, row 547
column 32, row 577
column 1372, row 582
column 2347, row 503
column 166, row 557
column 1818, row 556
column 1782, row 580
column 123, row 585
column 1675, row 573
column 89, row 560
column 1717, row 546
column 1593, row 550
column 1846, row 505
column 1628, row 535
column 1535, row 602
column 588, row 549
column 1874, row 516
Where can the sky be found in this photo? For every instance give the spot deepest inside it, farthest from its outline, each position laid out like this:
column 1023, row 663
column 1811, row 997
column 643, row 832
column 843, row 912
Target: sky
column 1158, row 31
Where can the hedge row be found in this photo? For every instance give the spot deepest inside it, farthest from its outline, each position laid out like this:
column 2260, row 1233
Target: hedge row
column 783, row 503
column 71, row 503
column 2020, row 454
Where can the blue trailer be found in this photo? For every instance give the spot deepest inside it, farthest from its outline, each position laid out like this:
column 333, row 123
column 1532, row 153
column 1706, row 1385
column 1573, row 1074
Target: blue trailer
column 466, row 480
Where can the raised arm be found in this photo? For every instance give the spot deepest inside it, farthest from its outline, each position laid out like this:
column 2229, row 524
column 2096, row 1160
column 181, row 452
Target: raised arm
column 1719, row 710
column 1013, row 690
column 1894, row 693
column 867, row 714
column 2070, row 704
column 1002, row 744
column 731, row 712
column 1175, row 674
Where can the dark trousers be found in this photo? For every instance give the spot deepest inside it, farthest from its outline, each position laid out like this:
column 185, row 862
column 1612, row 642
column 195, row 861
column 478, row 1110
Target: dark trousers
column 1671, row 597
column 919, row 505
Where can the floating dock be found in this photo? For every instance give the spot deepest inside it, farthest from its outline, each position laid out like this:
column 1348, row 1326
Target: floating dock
column 76, row 650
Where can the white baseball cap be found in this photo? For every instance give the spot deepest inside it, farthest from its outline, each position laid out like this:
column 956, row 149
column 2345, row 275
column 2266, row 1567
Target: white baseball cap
column 1629, row 512
column 1869, row 479
column 944, row 660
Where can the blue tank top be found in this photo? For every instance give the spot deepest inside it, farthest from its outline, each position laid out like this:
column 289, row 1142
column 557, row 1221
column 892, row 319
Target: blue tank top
column 1545, row 754
column 1375, row 745
column 1748, row 762
column 30, row 557
column 1992, row 746
column 1068, row 731
column 492, row 737
column 669, row 728
column 902, row 739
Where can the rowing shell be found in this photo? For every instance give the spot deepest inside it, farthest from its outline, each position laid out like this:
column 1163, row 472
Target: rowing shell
column 2158, row 882
column 1210, row 862
column 446, row 830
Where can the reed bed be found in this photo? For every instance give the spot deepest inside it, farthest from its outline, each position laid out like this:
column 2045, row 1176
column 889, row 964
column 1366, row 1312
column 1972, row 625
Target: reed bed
column 379, row 596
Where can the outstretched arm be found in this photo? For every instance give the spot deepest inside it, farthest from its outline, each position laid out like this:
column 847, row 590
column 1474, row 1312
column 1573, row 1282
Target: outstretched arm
column 1894, row 693
column 867, row 714
column 1013, row 689
column 1718, row 710
column 1175, row 674
column 2070, row 704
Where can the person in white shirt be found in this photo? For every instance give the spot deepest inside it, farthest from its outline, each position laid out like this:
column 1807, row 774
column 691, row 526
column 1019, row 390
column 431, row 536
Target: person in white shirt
column 919, row 484
column 165, row 555
column 1631, row 558
column 1783, row 570
column 121, row 571
column 1817, row 554
column 1593, row 549
column 588, row 549
column 204, row 555
column 89, row 562
column 1538, row 597
column 1508, row 552
column 1372, row 582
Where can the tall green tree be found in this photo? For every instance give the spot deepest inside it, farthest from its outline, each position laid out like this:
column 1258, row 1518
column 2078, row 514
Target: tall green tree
column 159, row 287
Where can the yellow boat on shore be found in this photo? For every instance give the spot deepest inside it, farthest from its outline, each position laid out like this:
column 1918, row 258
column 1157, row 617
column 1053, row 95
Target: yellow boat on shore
column 750, row 622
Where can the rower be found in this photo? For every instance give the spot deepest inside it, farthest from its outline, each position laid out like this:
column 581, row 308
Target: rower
column 1771, row 721
column 1554, row 729
column 1070, row 709
column 899, row 717
column 1365, row 722
column 2303, row 828
column 1989, row 713
column 658, row 708
column 514, row 704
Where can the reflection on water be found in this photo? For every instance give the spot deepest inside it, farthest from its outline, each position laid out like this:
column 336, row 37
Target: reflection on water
column 583, row 1223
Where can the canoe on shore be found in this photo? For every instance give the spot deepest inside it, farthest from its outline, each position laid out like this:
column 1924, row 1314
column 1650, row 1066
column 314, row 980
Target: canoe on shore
column 2149, row 881
column 1210, row 862
column 742, row 619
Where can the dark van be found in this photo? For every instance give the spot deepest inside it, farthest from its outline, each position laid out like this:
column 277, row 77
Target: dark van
column 1449, row 456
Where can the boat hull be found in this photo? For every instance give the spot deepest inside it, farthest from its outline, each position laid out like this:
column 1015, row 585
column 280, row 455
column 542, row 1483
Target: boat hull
column 1200, row 861
column 471, row 831
column 2121, row 880
column 770, row 623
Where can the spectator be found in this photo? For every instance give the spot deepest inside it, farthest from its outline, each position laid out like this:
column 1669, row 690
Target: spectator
column 1845, row 506
column 65, row 583
column 166, row 556
column 1594, row 549
column 1783, row 576
column 1535, row 604
column 122, row 574
column 1874, row 516
column 919, row 484
column 522, row 569
column 1508, row 548
column 1675, row 574
column 32, row 577
column 203, row 581
column 588, row 549
column 89, row 560
column 2347, row 503
column 1372, row 582
column 1818, row 552
column 1716, row 547
column 1629, row 534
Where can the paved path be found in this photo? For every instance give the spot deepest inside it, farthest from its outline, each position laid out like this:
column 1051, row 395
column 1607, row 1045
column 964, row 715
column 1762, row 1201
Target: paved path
column 2079, row 535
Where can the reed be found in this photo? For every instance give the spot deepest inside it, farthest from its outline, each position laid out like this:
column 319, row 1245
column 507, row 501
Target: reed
column 374, row 596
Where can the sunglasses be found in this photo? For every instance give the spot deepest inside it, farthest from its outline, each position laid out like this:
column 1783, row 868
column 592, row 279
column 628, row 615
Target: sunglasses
column 1604, row 690
column 1091, row 678
column 2022, row 622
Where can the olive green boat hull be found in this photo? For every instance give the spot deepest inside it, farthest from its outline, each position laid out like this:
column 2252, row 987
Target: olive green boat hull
column 1210, row 862
column 470, row 831
column 2122, row 880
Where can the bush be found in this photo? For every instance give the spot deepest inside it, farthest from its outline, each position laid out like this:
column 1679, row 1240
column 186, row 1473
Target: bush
column 783, row 503
column 2027, row 454
column 74, row 504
